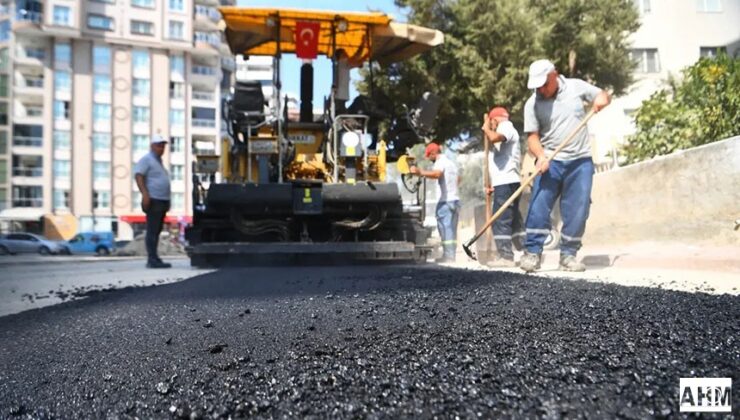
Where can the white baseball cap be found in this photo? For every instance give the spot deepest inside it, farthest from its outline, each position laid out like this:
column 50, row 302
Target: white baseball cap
column 158, row 139
column 538, row 72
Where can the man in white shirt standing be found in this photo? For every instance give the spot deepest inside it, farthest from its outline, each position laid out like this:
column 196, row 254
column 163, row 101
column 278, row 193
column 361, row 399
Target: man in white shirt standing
column 448, row 207
column 503, row 167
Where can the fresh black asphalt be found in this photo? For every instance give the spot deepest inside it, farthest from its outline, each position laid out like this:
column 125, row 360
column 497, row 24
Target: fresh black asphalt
column 379, row 342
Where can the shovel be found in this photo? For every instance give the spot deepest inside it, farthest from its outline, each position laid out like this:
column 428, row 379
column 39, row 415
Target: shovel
column 466, row 246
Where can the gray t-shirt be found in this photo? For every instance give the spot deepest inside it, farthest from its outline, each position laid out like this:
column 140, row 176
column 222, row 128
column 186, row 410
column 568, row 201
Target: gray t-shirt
column 557, row 117
column 156, row 178
column 503, row 162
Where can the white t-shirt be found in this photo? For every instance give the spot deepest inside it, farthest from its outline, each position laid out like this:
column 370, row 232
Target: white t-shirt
column 504, row 161
column 448, row 180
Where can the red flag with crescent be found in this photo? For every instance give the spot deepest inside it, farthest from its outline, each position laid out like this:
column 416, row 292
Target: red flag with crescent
column 307, row 39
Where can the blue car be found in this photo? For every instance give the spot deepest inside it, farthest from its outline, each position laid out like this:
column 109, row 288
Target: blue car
column 100, row 243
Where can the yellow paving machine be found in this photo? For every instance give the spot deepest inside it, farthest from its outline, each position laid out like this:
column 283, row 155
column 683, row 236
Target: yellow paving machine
column 311, row 188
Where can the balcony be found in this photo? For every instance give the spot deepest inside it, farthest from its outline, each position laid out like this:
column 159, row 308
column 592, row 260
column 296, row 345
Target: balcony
column 206, row 43
column 204, row 123
column 204, row 77
column 203, row 96
column 206, row 18
column 29, row 85
column 26, row 141
column 32, row 56
column 28, row 172
column 28, row 21
column 29, row 114
column 28, row 202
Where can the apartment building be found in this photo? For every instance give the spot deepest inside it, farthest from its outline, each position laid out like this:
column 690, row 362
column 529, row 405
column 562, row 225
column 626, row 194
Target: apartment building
column 673, row 35
column 84, row 84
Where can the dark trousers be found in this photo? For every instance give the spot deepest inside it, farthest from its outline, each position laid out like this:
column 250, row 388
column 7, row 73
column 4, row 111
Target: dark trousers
column 571, row 181
column 154, row 222
column 509, row 224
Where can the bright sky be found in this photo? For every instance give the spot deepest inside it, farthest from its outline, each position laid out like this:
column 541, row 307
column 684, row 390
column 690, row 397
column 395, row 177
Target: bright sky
column 290, row 74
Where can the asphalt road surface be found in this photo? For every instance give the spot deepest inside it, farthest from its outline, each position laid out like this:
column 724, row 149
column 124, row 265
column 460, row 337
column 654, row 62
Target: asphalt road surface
column 366, row 342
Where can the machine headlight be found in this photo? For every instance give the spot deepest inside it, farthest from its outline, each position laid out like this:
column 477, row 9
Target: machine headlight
column 350, row 139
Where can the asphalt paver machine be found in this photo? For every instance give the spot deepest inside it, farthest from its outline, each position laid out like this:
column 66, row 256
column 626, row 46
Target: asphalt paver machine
column 312, row 188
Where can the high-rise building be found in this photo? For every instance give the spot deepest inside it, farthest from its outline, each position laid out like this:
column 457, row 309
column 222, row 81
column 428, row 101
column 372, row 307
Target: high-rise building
column 673, row 35
column 84, row 84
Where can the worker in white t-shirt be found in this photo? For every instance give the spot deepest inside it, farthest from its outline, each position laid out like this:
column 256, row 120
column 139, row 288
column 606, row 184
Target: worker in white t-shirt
column 448, row 207
column 503, row 168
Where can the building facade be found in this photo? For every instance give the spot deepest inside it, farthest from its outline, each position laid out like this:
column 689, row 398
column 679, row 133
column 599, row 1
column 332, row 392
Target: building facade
column 673, row 35
column 84, row 84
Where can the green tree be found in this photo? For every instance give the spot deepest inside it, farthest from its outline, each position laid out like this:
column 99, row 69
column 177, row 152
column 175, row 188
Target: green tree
column 488, row 47
column 704, row 106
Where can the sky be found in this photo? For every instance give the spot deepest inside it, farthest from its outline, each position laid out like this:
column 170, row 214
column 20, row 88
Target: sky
column 290, row 75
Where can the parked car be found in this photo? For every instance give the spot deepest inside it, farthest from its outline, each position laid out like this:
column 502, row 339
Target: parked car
column 100, row 243
column 15, row 243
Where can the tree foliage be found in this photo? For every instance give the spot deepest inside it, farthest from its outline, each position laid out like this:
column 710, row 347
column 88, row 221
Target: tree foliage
column 704, row 106
column 488, row 47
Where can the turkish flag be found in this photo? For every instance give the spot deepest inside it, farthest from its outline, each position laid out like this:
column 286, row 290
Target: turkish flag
column 307, row 39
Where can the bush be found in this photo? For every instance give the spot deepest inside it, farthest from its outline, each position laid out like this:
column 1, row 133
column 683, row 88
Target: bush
column 702, row 108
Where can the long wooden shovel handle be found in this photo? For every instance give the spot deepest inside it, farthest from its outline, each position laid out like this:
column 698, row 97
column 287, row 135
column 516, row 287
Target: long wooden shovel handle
column 518, row 192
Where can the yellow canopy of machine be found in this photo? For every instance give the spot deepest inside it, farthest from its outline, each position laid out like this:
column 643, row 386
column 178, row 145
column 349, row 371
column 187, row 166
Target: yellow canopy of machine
column 363, row 36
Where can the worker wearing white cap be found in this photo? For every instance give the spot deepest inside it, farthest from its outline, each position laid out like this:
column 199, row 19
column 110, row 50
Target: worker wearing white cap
column 154, row 183
column 554, row 110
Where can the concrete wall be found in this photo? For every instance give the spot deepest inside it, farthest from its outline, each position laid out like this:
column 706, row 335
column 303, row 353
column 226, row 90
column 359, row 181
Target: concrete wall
column 691, row 197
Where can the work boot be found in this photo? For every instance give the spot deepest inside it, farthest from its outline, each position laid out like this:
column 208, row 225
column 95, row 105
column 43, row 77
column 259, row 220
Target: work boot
column 501, row 262
column 569, row 263
column 158, row 264
column 530, row 262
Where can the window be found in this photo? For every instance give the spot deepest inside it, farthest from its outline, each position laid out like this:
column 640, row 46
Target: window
column 28, row 196
column 142, row 28
column 4, row 30
column 105, row 1
column 62, row 81
column 141, row 114
column 643, row 6
column 177, row 172
column 101, row 84
column 3, row 142
column 101, row 199
column 177, row 5
column 141, row 87
column 3, row 172
column 61, row 140
column 143, row 3
column 62, row 55
column 101, row 171
column 177, row 117
column 177, row 65
column 4, row 59
column 101, row 142
column 178, row 144
column 203, row 117
column 100, row 22
column 177, row 90
column 646, row 60
column 101, row 59
column 141, row 60
column 28, row 135
column 62, row 16
column 101, row 113
column 709, row 6
column 4, row 80
column 61, row 110
column 61, row 169
column 3, row 113
column 140, row 146
column 711, row 52
column 178, row 200
column 61, row 199
column 176, row 30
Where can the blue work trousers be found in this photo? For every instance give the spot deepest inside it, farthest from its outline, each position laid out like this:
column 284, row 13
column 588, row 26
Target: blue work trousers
column 571, row 180
column 447, row 214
